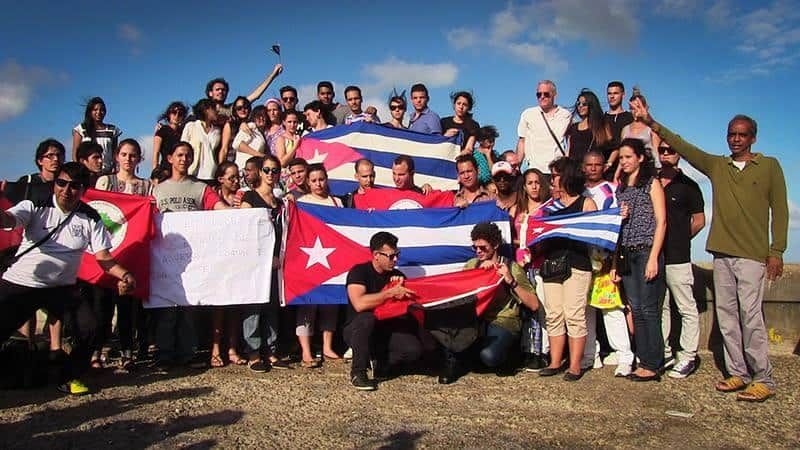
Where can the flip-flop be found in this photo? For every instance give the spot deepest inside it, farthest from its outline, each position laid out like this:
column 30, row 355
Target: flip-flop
column 731, row 384
column 237, row 360
column 216, row 362
column 313, row 364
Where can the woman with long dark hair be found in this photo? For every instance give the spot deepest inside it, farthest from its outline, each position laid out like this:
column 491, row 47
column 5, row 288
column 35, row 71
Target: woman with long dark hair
column 168, row 135
column 484, row 153
column 250, row 139
column 204, row 136
column 240, row 115
column 93, row 129
column 461, row 120
column 591, row 132
column 640, row 262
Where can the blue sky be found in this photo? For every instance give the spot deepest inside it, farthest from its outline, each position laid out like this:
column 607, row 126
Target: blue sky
column 698, row 62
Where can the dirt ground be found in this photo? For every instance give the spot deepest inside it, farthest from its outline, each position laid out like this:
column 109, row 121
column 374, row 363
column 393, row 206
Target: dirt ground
column 235, row 408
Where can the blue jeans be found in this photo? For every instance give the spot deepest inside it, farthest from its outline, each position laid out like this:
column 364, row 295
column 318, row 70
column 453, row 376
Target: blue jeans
column 260, row 323
column 496, row 344
column 645, row 298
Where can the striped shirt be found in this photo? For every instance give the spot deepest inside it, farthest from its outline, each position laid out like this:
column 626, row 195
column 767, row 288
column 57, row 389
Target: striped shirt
column 107, row 138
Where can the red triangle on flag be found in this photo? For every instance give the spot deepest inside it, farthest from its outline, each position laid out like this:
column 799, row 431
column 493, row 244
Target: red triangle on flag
column 537, row 228
column 315, row 253
column 330, row 154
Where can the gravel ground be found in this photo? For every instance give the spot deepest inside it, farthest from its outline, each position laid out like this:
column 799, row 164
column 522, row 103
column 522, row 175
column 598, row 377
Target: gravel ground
column 232, row 408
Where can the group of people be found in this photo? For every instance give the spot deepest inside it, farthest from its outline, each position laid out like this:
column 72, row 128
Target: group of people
column 567, row 161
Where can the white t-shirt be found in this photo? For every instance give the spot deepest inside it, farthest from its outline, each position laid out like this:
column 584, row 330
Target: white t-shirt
column 56, row 261
column 205, row 149
column 330, row 201
column 540, row 147
column 254, row 140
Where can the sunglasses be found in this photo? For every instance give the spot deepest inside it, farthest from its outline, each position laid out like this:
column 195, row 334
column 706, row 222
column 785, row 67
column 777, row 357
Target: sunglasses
column 483, row 248
column 177, row 111
column 390, row 255
column 579, row 104
column 289, row 99
column 52, row 156
column 271, row 170
column 542, row 94
column 74, row 185
column 241, row 107
column 666, row 150
column 397, row 107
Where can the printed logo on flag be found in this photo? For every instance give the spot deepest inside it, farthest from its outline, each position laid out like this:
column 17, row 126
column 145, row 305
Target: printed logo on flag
column 406, row 203
column 113, row 219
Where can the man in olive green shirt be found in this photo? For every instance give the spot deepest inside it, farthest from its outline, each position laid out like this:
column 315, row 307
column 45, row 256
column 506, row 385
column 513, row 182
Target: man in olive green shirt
column 747, row 188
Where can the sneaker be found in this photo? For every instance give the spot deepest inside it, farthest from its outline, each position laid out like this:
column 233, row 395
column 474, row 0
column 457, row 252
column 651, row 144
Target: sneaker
column 598, row 363
column 361, row 382
column 612, row 359
column 683, row 369
column 622, row 371
column 534, row 363
column 280, row 364
column 260, row 366
column 348, row 355
column 74, row 387
column 669, row 363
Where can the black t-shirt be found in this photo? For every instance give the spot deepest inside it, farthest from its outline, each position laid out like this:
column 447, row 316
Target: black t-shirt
column 580, row 142
column 255, row 200
column 683, row 199
column 366, row 275
column 617, row 122
column 469, row 127
column 169, row 138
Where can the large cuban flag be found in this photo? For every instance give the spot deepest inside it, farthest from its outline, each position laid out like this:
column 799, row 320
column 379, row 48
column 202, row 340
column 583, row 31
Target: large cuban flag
column 323, row 243
column 599, row 228
column 339, row 147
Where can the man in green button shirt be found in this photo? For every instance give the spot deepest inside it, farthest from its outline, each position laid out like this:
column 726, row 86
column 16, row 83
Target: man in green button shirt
column 748, row 187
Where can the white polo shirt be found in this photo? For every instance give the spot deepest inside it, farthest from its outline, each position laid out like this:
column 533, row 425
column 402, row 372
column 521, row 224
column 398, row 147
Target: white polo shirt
column 56, row 261
column 540, row 147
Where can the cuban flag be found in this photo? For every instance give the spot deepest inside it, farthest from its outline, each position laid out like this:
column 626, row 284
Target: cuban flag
column 323, row 243
column 598, row 228
column 339, row 147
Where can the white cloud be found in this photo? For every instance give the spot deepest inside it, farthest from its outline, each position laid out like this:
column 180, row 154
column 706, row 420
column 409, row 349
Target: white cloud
column 794, row 215
column 17, row 85
column 395, row 72
column 461, row 38
column 677, row 8
column 131, row 35
column 536, row 32
column 146, row 142
column 768, row 37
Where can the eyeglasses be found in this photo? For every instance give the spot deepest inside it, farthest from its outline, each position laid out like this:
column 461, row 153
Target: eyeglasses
column 482, row 248
column 289, row 99
column 390, row 255
column 502, row 176
column 579, row 104
column 241, row 107
column 52, row 156
column 271, row 170
column 232, row 178
column 543, row 94
column 666, row 150
column 74, row 185
column 397, row 107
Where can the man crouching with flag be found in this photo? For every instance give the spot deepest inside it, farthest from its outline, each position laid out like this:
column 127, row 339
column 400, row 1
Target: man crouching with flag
column 389, row 342
column 501, row 315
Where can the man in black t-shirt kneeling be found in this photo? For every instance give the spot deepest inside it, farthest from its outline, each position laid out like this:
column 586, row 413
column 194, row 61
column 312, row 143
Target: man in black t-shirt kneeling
column 387, row 342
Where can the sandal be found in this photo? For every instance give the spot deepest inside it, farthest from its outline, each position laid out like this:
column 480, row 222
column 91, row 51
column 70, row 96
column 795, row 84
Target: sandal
column 756, row 392
column 313, row 364
column 236, row 360
column 731, row 384
column 216, row 361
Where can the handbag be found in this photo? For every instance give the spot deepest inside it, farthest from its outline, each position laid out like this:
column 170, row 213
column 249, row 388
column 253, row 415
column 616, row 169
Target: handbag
column 605, row 294
column 555, row 270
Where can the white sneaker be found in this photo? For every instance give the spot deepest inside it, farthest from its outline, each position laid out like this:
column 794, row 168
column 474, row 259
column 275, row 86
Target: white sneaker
column 348, row 354
column 623, row 370
column 611, row 359
column 598, row 364
column 683, row 369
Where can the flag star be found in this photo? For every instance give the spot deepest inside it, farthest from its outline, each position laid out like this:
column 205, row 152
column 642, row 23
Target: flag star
column 317, row 254
column 538, row 230
column 317, row 158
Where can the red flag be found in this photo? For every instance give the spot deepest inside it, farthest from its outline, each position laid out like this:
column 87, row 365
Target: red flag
column 129, row 219
column 445, row 289
column 9, row 238
column 389, row 198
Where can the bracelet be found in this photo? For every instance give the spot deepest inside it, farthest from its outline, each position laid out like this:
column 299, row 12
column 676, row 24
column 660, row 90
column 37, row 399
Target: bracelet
column 125, row 275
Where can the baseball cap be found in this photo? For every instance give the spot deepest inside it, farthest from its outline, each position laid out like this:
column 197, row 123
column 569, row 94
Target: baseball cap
column 502, row 166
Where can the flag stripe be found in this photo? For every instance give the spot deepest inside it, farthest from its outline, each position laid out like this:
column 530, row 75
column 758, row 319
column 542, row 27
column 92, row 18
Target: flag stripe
column 340, row 179
column 432, row 217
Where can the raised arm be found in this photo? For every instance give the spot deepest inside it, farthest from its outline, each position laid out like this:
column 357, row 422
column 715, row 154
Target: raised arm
column 259, row 90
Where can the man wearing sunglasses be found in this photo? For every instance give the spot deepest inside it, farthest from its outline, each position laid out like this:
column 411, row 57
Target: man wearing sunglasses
column 749, row 207
column 57, row 231
column 541, row 129
column 386, row 343
column 685, row 218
